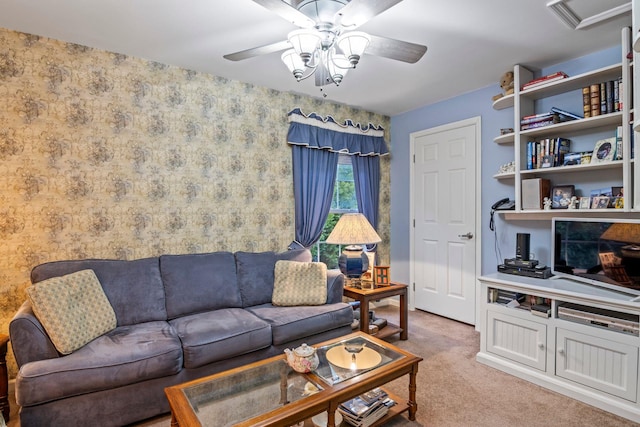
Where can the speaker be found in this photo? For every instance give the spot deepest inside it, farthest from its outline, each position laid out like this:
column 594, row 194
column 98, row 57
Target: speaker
column 522, row 246
column 534, row 191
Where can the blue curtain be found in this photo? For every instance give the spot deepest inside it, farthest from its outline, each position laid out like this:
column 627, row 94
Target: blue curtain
column 316, row 144
column 366, row 177
column 313, row 180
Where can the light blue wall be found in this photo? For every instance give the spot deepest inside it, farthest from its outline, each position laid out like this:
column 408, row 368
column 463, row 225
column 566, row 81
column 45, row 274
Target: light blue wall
column 473, row 104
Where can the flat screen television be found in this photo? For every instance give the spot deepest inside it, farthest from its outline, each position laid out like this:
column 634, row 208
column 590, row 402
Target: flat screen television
column 599, row 251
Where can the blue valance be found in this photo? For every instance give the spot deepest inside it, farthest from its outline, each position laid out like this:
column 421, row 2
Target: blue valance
column 313, row 131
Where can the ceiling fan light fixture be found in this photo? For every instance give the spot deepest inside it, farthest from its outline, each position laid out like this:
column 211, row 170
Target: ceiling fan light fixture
column 338, row 67
column 294, row 63
column 353, row 45
column 304, row 42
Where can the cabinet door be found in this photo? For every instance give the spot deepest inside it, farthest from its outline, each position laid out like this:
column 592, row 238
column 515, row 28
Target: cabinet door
column 605, row 365
column 520, row 340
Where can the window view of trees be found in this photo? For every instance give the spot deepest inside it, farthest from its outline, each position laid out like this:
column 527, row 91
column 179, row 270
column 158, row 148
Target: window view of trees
column 344, row 200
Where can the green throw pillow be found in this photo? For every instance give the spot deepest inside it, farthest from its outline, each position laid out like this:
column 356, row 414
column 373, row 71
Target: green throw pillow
column 299, row 283
column 73, row 309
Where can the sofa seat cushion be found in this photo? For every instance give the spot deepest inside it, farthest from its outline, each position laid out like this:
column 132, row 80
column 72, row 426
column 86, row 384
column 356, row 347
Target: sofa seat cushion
column 220, row 334
column 126, row 355
column 292, row 323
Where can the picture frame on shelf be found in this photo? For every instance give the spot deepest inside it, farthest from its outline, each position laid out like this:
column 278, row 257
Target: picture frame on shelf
column 585, row 203
column 571, row 159
column 600, row 202
column 604, row 151
column 618, row 202
column 561, row 196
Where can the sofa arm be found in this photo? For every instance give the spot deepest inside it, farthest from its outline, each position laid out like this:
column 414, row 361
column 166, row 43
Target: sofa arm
column 335, row 285
column 29, row 340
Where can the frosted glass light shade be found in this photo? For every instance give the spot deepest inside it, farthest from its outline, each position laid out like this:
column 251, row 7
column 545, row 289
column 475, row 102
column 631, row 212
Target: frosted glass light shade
column 304, row 42
column 353, row 45
column 338, row 66
column 294, row 63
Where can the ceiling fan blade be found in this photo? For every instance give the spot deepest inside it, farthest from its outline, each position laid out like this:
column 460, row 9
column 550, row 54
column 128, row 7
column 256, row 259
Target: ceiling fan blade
column 288, row 12
column 257, row 51
column 357, row 12
column 395, row 49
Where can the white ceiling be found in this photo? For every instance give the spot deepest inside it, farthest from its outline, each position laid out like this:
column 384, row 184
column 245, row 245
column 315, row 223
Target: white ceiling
column 471, row 42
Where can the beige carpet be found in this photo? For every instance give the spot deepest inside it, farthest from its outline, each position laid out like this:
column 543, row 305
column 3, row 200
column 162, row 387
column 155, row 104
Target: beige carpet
column 455, row 390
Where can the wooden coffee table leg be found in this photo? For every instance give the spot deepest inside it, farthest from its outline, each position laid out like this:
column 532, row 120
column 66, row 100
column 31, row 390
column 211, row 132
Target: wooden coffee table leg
column 4, row 378
column 413, row 405
column 331, row 415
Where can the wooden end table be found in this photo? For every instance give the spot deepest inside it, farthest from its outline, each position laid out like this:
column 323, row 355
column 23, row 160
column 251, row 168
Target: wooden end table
column 4, row 378
column 365, row 296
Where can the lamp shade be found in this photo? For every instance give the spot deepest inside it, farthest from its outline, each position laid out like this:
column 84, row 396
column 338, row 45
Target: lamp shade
column 353, row 229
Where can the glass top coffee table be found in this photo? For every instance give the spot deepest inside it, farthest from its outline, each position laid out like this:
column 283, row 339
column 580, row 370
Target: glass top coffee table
column 270, row 393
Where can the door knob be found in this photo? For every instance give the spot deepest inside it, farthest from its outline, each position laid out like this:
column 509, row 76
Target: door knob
column 469, row 235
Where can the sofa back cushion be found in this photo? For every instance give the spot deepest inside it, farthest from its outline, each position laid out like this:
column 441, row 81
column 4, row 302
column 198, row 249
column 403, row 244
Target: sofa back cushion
column 256, row 272
column 134, row 288
column 196, row 283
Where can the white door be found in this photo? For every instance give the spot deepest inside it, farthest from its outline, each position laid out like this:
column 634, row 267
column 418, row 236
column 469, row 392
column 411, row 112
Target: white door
column 445, row 183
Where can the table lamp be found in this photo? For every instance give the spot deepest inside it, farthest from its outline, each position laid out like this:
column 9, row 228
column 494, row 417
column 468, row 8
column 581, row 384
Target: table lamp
column 353, row 230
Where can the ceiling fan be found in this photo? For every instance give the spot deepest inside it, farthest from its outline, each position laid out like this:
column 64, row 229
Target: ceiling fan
column 326, row 44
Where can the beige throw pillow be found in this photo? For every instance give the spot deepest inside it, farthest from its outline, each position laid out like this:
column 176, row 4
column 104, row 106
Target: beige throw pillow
column 299, row 283
column 73, row 309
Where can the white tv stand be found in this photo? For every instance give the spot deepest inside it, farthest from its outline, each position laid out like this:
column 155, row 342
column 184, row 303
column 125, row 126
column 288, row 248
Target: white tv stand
column 593, row 362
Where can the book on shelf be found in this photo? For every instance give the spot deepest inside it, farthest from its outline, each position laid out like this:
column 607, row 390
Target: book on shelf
column 586, row 101
column 618, row 150
column 539, row 118
column 558, row 75
column 594, row 91
column 556, row 115
column 603, row 98
column 620, row 92
column 548, row 152
column 562, row 147
column 541, row 123
column 567, row 114
column 542, row 310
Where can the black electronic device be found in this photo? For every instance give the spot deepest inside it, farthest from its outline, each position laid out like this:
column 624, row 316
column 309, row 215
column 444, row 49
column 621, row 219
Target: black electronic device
column 539, row 272
column 515, row 262
column 500, row 205
column 522, row 246
column 504, row 205
column 599, row 251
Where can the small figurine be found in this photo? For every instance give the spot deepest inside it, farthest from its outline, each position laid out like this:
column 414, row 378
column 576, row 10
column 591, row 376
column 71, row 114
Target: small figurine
column 573, row 204
column 547, row 204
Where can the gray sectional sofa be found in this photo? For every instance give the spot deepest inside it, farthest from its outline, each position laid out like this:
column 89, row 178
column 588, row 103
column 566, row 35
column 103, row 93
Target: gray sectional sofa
column 179, row 317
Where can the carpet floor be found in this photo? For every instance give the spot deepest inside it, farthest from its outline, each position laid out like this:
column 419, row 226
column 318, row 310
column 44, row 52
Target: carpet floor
column 455, row 391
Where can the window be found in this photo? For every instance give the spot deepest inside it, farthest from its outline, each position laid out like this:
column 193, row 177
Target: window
column 343, row 201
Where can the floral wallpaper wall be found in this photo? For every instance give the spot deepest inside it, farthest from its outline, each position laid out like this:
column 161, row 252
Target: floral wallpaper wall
column 107, row 156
